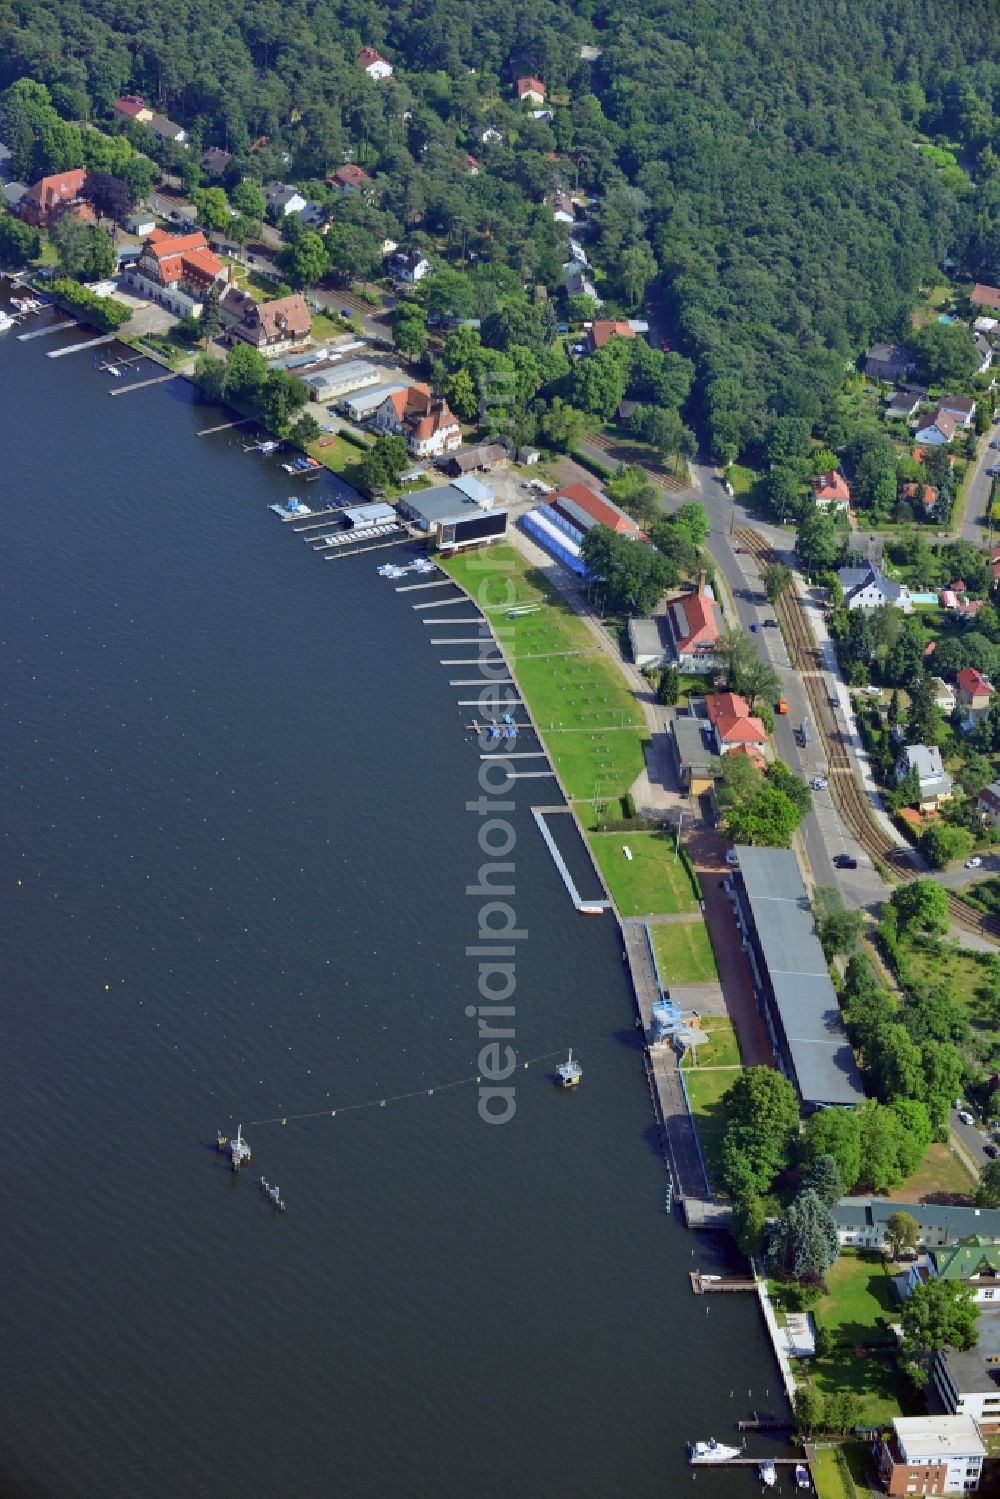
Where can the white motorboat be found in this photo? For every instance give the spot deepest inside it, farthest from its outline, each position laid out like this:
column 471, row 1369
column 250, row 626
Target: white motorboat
column 768, row 1474
column 802, row 1480
column 711, row 1452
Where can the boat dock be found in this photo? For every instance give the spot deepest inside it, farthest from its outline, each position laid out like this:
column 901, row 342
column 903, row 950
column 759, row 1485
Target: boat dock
column 124, row 390
column 701, row 1285
column 49, row 328
column 557, row 858
column 224, row 426
column 91, row 343
column 121, row 364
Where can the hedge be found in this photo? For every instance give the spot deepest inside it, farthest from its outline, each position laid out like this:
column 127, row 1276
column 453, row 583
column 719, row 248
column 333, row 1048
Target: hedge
column 600, row 469
column 692, row 873
column 354, row 438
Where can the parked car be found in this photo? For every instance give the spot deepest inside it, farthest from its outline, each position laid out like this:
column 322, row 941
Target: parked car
column 995, row 443
column 974, row 863
column 819, row 783
column 965, row 1116
column 346, row 312
column 844, row 861
column 770, row 624
column 732, row 858
column 994, row 471
column 754, row 628
column 991, row 1151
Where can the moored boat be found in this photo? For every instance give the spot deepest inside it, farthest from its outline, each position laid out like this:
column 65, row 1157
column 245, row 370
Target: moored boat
column 711, row 1452
column 768, row 1474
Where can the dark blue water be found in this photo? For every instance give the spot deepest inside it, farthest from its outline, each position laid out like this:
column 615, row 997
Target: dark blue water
column 233, row 858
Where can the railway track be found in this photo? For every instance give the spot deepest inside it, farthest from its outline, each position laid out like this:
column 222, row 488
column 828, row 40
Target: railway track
column 617, row 451
column 848, row 795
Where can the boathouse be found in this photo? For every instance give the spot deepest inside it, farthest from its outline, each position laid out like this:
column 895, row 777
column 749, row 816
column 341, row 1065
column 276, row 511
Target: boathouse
column 176, row 270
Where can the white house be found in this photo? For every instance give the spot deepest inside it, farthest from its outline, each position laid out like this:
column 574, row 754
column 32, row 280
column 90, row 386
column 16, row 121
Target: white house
column 962, row 408
column 867, row 588
column 939, row 429
column 965, row 1385
column 374, row 64
column 974, row 1262
column 427, row 423
column 489, row 134
column 932, row 1455
column 282, row 199
column 935, row 783
column 409, row 266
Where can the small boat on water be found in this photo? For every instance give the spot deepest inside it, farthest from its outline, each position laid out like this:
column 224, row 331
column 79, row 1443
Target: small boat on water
column 711, row 1452
column 768, row 1474
column 802, row 1479
column 115, row 371
column 569, row 1072
column 270, row 446
column 6, row 321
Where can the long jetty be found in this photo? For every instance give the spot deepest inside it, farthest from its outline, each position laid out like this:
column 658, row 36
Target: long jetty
column 91, row 343
column 126, row 390
column 49, row 328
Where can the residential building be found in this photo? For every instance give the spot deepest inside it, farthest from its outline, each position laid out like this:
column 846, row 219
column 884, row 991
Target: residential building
column 867, row 588
column 602, row 332
column 985, row 296
column 409, row 266
column 49, row 198
column 215, row 162
column 984, row 353
column 330, row 385
column 489, row 134
column 932, row 1455
column 132, row 107
column 695, row 623
column 350, row 178
column 562, row 208
column 579, row 284
column 985, row 325
column 889, row 361
column 651, row 642
column 456, row 516
column 944, row 695
column 938, row 429
column 734, row 726
column 281, row 199
column 974, row 1262
column 974, row 690
column 426, row 421
column 902, row 404
column 921, row 497
column 962, row 408
column 791, row 979
column 832, row 490
column 374, row 64
column 935, row 783
column 862, row 1222
column 988, row 804
column 176, row 271
column 167, row 130
column 694, row 752
column 272, row 327
column 995, row 564
column 964, row 1382
column 363, row 405
column 531, row 89
column 482, row 459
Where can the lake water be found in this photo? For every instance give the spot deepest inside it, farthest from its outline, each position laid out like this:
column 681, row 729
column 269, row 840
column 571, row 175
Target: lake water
column 234, row 856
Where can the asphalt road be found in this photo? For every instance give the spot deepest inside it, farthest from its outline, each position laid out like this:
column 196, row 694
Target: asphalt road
column 978, row 489
column 972, row 1137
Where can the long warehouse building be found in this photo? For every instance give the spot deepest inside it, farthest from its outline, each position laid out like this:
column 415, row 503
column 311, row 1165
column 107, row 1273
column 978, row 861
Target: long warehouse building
column 794, row 989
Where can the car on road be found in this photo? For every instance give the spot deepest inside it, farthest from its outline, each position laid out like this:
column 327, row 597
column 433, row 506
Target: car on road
column 995, row 443
column 844, row 861
column 819, row 783
column 991, row 1151
column 965, row 1116
column 770, row 624
column 994, row 471
column 974, row 863
column 346, row 312
column 732, row 858
column 754, row 628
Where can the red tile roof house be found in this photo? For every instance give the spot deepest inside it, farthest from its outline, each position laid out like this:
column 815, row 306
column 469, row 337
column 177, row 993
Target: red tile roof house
column 176, row 270
column 349, row 179
column 374, row 64
column 974, row 690
column 832, row 489
column 598, row 509
column 428, row 424
column 531, row 88
column 602, row 332
column 910, row 494
column 695, row 624
column 986, row 296
column 132, row 107
column 49, row 198
column 733, row 724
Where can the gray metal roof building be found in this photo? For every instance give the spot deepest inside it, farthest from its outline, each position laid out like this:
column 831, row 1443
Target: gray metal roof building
column 863, row 1220
column 445, row 502
column 792, row 979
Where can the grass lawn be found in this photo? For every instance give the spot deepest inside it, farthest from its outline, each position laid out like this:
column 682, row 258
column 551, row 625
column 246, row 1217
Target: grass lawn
column 827, row 1472
column 649, row 883
column 741, row 478
column 940, row 1177
column 684, row 953
column 324, row 327
column 592, row 724
column 860, row 1293
column 340, row 457
column 721, row 1049
column 705, row 1090
column 964, row 973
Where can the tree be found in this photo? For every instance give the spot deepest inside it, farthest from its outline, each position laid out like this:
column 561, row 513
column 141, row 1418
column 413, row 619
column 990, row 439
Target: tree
column 635, row 576
column 691, row 520
column 111, row 196
column 18, row 242
column 211, row 206
column 384, row 461
column 353, row 252
column 921, row 906
column 883, row 1147
column 835, row 1133
column 809, row 1408
column 305, row 262
column 210, row 320
column 988, row 1190
column 817, row 542
column 787, row 781
column 409, row 329
column 747, row 1223
column 803, row 1243
column 281, row 397
column 306, row 430
column 636, row 269
column 248, row 199
column 761, row 1110
column 778, row 578
column 668, row 687
column 923, row 724
column 823, row 1178
column 946, row 353
column 937, row 1314
column 901, row 1232
column 838, row 927
column 745, row 671
column 85, row 251
column 769, row 817
column 246, row 371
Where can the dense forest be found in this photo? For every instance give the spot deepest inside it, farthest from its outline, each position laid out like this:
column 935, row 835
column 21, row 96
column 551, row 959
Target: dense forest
column 788, row 170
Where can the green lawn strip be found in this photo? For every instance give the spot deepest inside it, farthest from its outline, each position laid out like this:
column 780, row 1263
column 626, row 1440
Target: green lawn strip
column 598, row 767
column 684, row 953
column 651, row 882
column 827, row 1473
column 340, row 457
column 859, row 1304
column 705, row 1090
column 720, row 1050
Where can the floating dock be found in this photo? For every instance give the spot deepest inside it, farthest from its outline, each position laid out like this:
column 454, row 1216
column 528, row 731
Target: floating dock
column 557, row 858
column 49, row 328
column 91, row 343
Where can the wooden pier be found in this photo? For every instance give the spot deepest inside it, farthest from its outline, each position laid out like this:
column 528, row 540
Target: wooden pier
column 701, row 1285
column 376, row 546
column 124, row 390
column 224, row 426
column 91, row 343
column 49, row 328
column 765, row 1423
column 122, row 364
